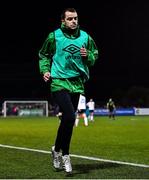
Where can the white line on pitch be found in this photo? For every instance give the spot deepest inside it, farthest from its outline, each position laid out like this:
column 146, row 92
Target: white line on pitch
column 77, row 156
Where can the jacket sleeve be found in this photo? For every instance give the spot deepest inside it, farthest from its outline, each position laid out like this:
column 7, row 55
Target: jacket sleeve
column 46, row 53
column 92, row 52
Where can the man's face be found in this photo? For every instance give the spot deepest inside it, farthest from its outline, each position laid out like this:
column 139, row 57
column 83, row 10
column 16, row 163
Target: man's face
column 71, row 20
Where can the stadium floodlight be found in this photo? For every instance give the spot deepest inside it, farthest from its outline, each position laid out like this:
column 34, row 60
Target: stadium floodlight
column 25, row 108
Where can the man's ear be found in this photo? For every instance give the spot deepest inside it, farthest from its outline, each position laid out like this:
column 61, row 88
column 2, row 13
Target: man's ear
column 63, row 22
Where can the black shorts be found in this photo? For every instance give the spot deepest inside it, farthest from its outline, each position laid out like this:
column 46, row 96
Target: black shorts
column 111, row 109
column 81, row 111
column 91, row 111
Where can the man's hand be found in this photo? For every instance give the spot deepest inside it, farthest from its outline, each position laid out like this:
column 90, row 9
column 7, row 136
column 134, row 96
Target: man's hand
column 83, row 52
column 46, row 76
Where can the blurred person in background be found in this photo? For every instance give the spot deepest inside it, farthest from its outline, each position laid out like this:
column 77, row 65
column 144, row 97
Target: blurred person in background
column 91, row 108
column 81, row 111
column 111, row 108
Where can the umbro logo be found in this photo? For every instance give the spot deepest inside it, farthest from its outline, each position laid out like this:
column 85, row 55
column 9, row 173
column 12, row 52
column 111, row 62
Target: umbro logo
column 72, row 49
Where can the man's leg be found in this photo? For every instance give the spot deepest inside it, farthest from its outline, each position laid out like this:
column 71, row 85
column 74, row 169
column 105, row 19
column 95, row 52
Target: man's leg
column 77, row 120
column 85, row 119
column 68, row 106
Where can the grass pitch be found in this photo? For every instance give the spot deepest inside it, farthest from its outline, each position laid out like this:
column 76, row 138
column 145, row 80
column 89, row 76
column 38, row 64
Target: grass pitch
column 124, row 139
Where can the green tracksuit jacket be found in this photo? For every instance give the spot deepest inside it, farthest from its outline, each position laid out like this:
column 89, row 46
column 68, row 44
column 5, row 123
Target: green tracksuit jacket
column 47, row 63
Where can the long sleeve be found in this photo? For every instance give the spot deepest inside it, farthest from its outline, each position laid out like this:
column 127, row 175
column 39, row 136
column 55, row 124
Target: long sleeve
column 45, row 54
column 92, row 51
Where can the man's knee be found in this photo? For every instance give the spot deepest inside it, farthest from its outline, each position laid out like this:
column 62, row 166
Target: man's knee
column 69, row 118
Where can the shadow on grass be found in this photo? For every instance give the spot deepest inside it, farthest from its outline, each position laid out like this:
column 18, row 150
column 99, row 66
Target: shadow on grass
column 87, row 168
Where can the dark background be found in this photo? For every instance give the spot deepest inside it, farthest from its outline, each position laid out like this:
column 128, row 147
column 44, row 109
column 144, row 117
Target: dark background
column 119, row 28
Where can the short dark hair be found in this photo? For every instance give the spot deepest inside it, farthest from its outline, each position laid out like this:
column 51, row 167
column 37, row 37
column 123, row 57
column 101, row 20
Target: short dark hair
column 65, row 10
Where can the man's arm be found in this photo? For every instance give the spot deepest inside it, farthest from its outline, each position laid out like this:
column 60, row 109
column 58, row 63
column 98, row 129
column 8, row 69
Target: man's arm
column 107, row 105
column 46, row 53
column 92, row 52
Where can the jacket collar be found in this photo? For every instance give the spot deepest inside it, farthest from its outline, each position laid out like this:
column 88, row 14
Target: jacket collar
column 69, row 32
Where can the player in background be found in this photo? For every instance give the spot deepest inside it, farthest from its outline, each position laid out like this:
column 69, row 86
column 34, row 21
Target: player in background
column 91, row 107
column 111, row 108
column 81, row 111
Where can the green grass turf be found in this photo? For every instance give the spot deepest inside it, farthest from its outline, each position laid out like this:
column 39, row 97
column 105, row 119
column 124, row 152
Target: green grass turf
column 125, row 139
